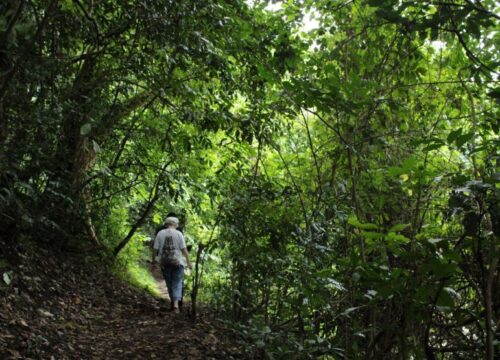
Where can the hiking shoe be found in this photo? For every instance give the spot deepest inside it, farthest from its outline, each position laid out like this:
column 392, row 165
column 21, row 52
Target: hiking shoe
column 176, row 310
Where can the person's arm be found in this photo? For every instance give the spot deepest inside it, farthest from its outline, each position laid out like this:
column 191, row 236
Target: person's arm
column 184, row 250
column 156, row 246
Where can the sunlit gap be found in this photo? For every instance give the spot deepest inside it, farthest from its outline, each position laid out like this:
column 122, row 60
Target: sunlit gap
column 309, row 21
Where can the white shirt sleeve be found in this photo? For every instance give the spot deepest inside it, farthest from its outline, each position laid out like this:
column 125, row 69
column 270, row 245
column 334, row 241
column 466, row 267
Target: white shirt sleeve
column 156, row 245
column 182, row 243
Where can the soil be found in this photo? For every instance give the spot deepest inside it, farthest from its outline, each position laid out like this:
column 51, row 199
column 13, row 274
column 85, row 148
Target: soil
column 59, row 307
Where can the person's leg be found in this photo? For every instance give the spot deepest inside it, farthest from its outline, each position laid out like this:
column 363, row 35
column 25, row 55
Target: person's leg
column 181, row 301
column 177, row 278
column 167, row 275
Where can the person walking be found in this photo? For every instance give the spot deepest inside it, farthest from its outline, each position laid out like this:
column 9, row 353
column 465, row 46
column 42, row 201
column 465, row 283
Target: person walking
column 160, row 228
column 173, row 256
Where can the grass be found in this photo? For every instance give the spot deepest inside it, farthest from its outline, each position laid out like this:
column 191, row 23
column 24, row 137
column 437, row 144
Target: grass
column 140, row 277
column 131, row 267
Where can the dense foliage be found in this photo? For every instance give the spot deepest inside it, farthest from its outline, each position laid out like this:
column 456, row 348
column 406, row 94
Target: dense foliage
column 340, row 180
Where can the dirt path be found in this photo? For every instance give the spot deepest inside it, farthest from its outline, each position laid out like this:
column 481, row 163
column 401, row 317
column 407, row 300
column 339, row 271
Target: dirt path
column 65, row 309
column 142, row 332
column 160, row 281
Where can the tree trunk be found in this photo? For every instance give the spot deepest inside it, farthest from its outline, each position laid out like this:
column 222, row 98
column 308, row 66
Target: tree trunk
column 196, row 282
column 147, row 210
column 154, row 195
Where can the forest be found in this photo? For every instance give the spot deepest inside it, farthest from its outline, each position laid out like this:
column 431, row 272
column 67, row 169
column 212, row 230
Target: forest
column 335, row 163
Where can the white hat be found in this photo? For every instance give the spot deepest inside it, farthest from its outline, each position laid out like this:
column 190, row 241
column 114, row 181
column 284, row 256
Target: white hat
column 171, row 220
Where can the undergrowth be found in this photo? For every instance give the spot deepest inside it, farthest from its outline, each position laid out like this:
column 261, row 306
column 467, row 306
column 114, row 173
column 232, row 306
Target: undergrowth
column 131, row 266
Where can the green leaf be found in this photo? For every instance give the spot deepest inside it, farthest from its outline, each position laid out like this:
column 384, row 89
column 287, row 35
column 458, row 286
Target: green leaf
column 473, row 28
column 371, row 235
column 335, row 284
column 409, row 164
column 96, row 146
column 377, row 2
column 350, row 310
column 390, row 15
column 441, row 269
column 495, row 93
column 85, row 129
column 260, row 344
column 353, row 220
column 424, row 293
column 434, row 241
column 434, row 146
column 453, row 135
column 398, row 227
column 395, row 171
column 445, row 299
column 462, row 139
column 397, row 238
column 459, row 180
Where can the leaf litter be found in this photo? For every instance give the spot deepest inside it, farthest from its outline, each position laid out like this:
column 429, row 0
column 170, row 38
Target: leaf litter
column 58, row 307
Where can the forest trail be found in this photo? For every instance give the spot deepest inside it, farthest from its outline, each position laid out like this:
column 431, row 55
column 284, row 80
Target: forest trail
column 160, row 282
column 61, row 308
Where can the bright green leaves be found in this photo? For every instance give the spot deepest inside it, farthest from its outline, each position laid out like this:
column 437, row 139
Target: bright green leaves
column 408, row 166
column 394, row 238
column 353, row 220
column 389, row 124
column 375, row 237
column 398, row 227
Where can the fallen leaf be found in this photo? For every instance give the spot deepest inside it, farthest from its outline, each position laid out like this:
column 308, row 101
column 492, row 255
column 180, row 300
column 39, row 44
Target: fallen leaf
column 7, row 277
column 16, row 354
column 45, row 313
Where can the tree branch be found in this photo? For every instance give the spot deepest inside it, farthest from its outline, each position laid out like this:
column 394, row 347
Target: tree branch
column 12, row 23
column 154, row 195
column 10, row 74
column 91, row 19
